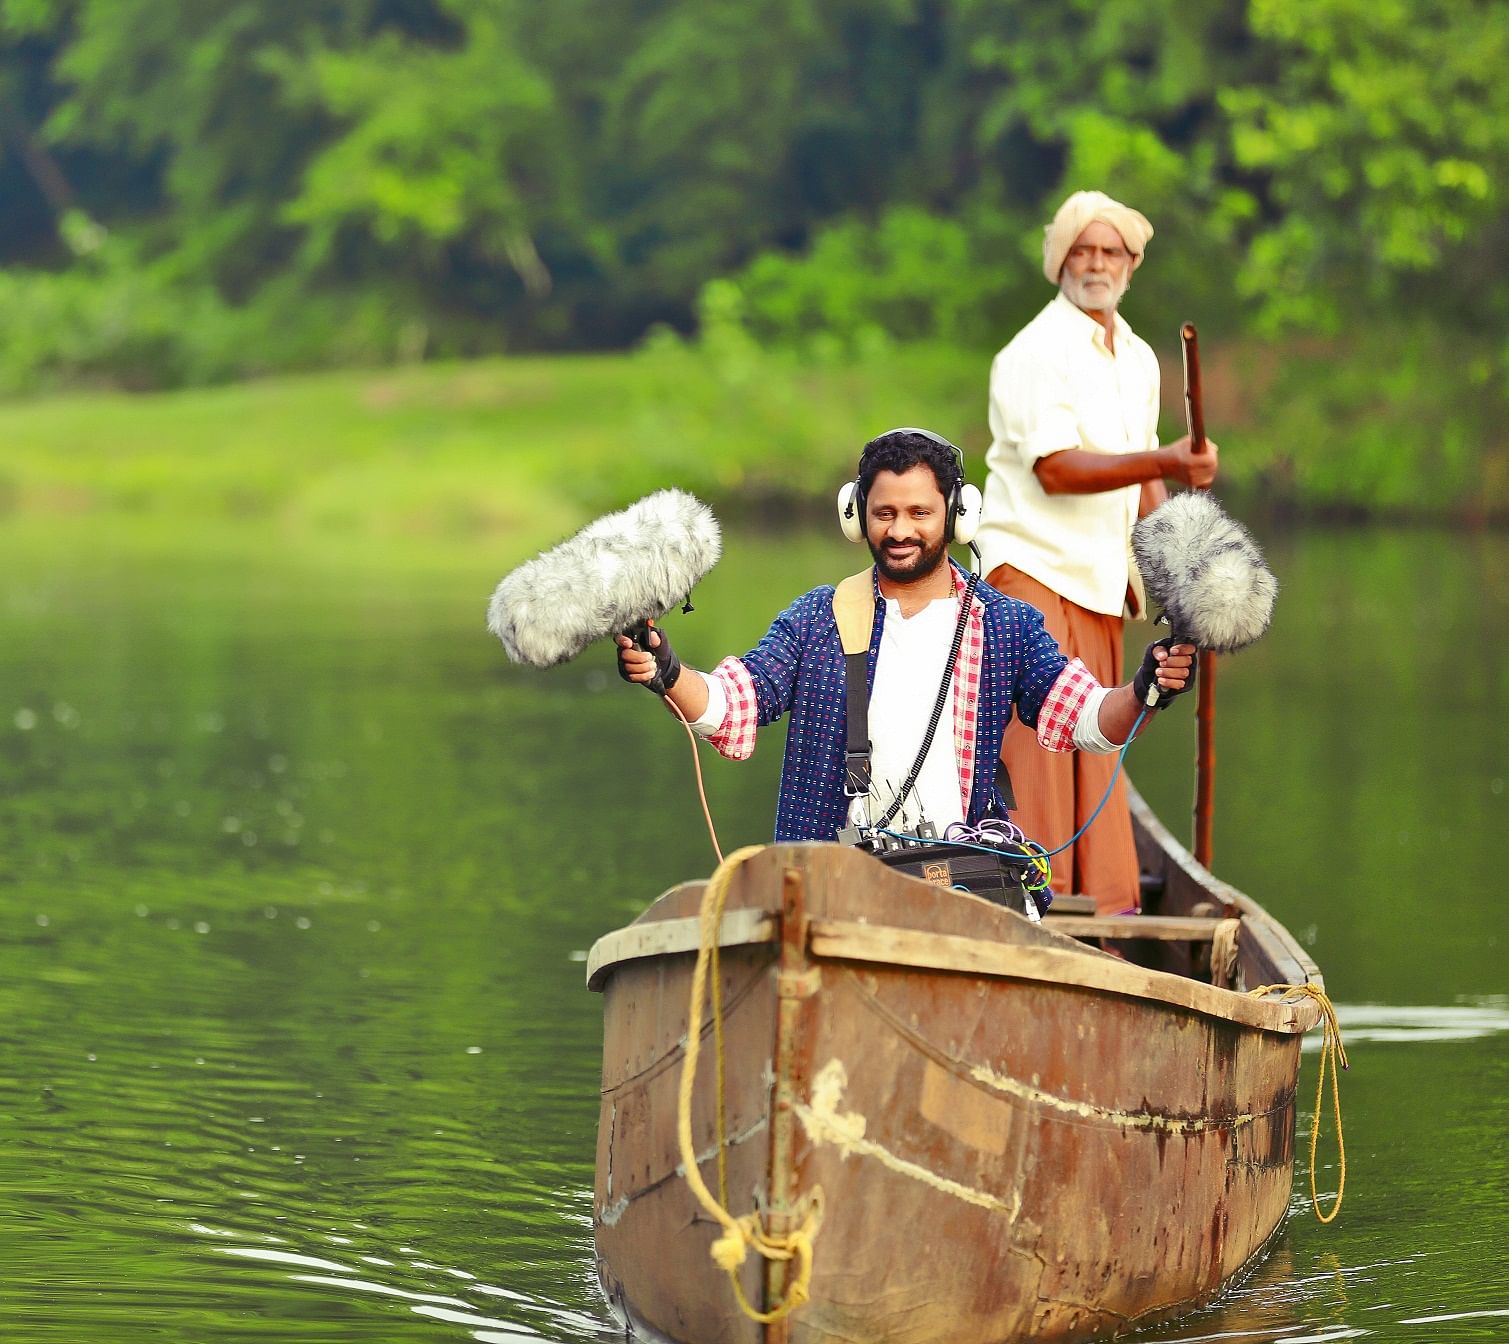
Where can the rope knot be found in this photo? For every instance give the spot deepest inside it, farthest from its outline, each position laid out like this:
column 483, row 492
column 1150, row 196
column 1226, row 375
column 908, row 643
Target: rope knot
column 732, row 1248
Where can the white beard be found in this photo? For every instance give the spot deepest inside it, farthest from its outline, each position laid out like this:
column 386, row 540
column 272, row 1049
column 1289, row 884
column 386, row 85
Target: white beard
column 1089, row 297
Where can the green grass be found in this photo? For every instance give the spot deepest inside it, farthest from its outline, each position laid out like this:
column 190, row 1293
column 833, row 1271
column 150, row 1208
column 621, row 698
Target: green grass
column 421, row 450
column 532, row 445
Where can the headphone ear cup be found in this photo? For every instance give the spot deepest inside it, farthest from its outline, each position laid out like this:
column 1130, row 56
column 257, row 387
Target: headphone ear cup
column 967, row 519
column 850, row 516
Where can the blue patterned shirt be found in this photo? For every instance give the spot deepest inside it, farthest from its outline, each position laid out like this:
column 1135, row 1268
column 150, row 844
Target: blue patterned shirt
column 798, row 669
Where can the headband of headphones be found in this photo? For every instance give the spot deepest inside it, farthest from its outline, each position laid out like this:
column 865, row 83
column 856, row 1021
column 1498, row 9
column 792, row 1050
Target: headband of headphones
column 964, row 500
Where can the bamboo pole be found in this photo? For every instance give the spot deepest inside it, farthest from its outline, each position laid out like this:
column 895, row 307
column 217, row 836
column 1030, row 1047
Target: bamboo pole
column 1205, row 712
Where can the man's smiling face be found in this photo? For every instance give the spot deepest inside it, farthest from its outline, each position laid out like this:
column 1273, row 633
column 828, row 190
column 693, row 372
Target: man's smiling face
column 906, row 518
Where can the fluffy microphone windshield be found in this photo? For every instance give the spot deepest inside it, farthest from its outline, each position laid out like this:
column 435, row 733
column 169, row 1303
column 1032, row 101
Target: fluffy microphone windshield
column 617, row 572
column 1205, row 571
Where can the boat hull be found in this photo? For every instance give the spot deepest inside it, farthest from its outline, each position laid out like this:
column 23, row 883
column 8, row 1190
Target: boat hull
column 1007, row 1134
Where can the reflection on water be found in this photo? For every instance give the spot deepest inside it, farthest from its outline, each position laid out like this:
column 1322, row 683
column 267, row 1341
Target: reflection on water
column 295, row 878
column 1279, row 1305
column 1376, row 1022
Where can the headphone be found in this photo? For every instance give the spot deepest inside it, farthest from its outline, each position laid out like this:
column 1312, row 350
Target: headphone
column 964, row 500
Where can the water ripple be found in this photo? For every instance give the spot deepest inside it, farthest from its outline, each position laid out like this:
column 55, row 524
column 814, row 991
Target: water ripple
column 1384, row 1023
column 525, row 1316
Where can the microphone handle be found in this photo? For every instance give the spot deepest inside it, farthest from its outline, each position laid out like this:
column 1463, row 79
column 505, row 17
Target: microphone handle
column 639, row 632
column 1156, row 697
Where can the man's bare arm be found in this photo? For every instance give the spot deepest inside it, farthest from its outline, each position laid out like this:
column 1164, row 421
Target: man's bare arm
column 1074, row 471
column 1153, row 494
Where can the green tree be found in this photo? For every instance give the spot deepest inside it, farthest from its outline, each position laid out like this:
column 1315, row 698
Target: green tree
column 292, row 180
column 183, row 93
column 441, row 153
column 1030, row 102
column 1379, row 136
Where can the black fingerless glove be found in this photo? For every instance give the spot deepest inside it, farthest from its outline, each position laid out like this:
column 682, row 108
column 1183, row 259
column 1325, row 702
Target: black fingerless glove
column 1146, row 680
column 667, row 665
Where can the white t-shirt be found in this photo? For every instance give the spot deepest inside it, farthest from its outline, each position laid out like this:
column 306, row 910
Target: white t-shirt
column 909, row 667
column 1057, row 386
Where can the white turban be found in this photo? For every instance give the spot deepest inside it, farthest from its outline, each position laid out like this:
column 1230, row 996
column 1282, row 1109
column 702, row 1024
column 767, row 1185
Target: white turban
column 1077, row 214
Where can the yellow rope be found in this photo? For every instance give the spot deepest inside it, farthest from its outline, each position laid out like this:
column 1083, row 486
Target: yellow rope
column 739, row 1234
column 1332, row 1052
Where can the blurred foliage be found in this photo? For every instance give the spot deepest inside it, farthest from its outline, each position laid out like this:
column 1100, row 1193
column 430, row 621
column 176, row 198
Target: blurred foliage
column 565, row 181
column 118, row 317
column 200, row 190
column 1382, row 140
column 569, row 178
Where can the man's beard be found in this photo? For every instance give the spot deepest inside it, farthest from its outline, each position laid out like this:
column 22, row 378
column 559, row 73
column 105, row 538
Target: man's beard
column 1095, row 298
column 926, row 560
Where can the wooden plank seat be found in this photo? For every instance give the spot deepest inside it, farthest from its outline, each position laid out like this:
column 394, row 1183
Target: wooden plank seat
column 1168, row 928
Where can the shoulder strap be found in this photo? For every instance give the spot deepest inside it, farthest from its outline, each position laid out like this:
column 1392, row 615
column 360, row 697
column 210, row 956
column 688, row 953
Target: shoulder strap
column 854, row 614
column 854, row 611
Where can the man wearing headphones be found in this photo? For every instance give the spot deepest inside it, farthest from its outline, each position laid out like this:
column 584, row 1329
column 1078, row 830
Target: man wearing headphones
column 943, row 653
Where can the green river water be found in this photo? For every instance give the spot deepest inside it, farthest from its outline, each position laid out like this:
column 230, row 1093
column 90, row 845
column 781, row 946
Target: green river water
column 297, row 876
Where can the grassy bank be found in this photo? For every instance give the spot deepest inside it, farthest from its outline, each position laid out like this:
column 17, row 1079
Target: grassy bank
column 483, row 446
column 533, row 447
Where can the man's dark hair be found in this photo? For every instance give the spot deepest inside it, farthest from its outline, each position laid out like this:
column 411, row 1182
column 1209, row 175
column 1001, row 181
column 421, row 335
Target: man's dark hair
column 900, row 450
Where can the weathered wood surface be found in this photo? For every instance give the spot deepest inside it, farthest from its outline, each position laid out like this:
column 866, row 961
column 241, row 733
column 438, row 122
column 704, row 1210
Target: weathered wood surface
column 1172, row 928
column 1015, row 1136
column 675, row 935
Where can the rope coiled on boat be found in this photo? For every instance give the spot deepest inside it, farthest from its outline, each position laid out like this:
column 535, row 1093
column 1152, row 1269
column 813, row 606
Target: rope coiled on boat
column 1332, row 1052
column 740, row 1235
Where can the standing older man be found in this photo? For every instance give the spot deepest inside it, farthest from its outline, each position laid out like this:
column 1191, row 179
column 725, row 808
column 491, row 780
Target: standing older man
column 1074, row 461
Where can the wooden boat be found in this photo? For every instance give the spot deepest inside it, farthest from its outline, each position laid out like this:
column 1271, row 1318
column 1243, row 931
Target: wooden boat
column 993, row 1130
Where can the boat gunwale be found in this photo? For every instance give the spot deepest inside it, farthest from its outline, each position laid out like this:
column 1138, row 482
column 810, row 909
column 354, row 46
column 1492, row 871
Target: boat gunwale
column 924, row 950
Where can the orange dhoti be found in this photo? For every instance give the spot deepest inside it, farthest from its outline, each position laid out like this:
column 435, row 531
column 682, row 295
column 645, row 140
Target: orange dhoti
column 1057, row 791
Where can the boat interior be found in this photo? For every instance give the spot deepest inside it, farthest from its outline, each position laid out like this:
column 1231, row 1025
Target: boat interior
column 1191, row 923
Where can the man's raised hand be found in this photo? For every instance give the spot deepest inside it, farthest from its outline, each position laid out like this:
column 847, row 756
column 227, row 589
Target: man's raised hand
column 1168, row 668
column 659, row 662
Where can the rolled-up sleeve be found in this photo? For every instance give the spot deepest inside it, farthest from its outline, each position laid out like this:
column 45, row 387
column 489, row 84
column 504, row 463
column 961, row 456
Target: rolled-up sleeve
column 732, row 734
column 1065, row 702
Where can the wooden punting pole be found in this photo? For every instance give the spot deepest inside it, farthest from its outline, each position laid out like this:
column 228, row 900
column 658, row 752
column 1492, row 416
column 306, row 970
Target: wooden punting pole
column 1205, row 713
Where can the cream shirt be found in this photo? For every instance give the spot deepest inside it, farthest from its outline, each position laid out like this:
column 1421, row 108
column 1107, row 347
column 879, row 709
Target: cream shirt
column 1056, row 386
